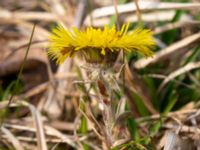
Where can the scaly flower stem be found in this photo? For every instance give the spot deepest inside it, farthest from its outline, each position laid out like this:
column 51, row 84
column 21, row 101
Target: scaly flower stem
column 105, row 94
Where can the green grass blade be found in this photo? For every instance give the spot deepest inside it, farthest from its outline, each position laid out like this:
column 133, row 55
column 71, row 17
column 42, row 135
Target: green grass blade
column 16, row 84
column 193, row 56
column 23, row 64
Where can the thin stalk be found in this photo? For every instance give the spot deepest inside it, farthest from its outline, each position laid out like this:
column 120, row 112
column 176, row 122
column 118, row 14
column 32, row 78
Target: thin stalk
column 16, row 84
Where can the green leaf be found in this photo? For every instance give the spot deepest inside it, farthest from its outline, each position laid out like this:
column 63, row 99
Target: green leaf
column 152, row 89
column 140, row 105
column 172, row 101
column 169, row 36
column 132, row 126
column 83, row 127
column 193, row 56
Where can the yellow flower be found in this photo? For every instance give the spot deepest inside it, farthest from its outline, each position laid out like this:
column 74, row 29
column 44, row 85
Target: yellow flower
column 66, row 43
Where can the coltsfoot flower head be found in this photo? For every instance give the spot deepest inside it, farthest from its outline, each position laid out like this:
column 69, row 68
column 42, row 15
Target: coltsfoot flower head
column 99, row 45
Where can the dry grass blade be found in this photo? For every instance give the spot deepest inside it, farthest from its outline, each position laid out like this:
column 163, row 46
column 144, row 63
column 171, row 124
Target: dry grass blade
column 144, row 6
column 158, row 76
column 175, row 25
column 120, row 107
column 31, row 139
column 60, row 135
column 58, row 9
column 170, row 141
column 62, row 125
column 184, row 69
column 147, row 17
column 167, row 52
column 17, row 145
column 39, row 126
column 14, row 61
column 92, row 122
column 3, row 104
column 135, row 81
column 92, row 145
column 81, row 13
column 44, row 16
column 138, row 12
column 158, row 116
column 36, row 90
column 184, row 128
column 20, row 127
column 132, row 110
column 49, row 131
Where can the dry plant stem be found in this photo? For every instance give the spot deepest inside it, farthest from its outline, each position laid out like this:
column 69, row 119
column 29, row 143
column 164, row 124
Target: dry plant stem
column 138, row 12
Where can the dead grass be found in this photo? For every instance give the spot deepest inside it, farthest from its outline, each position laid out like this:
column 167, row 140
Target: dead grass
column 45, row 111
